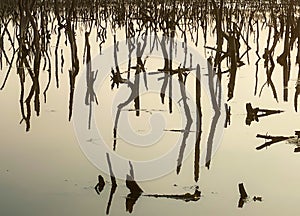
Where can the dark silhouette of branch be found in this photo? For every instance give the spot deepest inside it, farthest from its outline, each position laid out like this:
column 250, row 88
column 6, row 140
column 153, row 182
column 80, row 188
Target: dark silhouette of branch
column 198, row 125
column 274, row 139
column 113, row 186
column 100, row 185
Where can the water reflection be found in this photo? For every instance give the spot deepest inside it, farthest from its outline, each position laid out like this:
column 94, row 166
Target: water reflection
column 277, row 139
column 228, row 115
column 29, row 28
column 100, row 185
column 181, row 18
column 113, row 184
column 91, row 77
column 245, row 198
column 131, row 200
column 256, row 113
column 182, row 73
column 132, row 97
column 198, row 124
column 216, row 107
column 136, row 192
column 189, row 121
column 187, row 197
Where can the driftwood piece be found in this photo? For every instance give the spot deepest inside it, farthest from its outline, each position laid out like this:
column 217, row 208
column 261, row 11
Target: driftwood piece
column 256, row 113
column 274, row 139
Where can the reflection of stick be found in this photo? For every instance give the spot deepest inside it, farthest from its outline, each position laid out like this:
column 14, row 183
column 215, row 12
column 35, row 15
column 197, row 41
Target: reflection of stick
column 178, row 130
column 256, row 113
column 135, row 190
column 131, row 184
column 243, row 195
column 170, row 66
column 186, row 197
column 242, row 191
column 111, row 195
column 2, row 51
column 100, row 185
column 165, row 69
column 215, row 117
column 114, row 184
column 112, row 176
column 228, row 114
column 189, row 122
column 274, row 139
column 131, row 47
column 70, row 32
column 131, row 97
column 199, row 124
column 91, row 77
column 257, row 54
column 131, row 170
column 137, row 91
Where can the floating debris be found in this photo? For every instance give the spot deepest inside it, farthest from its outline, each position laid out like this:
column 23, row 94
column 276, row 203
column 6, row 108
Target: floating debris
column 256, row 113
column 244, row 197
column 277, row 139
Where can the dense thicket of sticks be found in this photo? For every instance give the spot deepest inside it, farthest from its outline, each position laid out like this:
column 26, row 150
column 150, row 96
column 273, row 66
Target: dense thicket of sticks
column 35, row 21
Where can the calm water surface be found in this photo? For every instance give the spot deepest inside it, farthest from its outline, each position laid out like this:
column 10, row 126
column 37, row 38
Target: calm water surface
column 50, row 166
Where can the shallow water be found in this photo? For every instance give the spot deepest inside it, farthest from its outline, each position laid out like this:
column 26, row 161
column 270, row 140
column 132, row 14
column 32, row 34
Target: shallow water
column 52, row 169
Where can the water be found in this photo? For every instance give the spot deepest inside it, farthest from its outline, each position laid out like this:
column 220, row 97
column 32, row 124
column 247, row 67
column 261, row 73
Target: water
column 49, row 165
